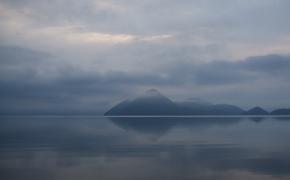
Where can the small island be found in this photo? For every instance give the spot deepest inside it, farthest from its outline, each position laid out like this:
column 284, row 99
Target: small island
column 153, row 103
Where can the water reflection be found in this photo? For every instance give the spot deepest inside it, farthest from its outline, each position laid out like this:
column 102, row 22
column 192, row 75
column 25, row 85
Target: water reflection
column 257, row 119
column 163, row 124
column 144, row 148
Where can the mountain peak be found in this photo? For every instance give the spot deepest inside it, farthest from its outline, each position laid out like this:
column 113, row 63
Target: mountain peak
column 153, row 92
column 256, row 111
column 152, row 103
column 257, row 108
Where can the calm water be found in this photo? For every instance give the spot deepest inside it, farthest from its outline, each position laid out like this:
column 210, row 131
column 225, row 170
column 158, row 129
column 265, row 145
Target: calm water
column 144, row 148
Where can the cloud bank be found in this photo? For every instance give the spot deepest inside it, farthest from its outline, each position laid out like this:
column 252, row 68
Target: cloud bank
column 72, row 57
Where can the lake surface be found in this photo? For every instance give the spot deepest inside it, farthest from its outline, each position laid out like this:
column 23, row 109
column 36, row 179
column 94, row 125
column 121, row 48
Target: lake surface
column 176, row 148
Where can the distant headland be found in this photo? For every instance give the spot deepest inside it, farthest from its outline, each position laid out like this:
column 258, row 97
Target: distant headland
column 153, row 103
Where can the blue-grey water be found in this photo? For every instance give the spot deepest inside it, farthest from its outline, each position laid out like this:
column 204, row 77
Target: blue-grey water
column 73, row 148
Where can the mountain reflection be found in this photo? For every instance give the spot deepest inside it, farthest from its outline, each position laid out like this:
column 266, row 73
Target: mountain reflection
column 185, row 148
column 160, row 125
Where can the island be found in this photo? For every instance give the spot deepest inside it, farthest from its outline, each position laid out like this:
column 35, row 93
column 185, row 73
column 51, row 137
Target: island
column 154, row 103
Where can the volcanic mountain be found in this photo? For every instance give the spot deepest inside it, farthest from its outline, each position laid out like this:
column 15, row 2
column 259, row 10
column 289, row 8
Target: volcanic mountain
column 155, row 104
column 150, row 103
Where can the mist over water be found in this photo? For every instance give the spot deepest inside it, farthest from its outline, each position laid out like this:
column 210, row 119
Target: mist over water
column 55, row 147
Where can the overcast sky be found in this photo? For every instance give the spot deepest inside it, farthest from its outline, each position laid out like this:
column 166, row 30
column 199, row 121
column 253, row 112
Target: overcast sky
column 83, row 56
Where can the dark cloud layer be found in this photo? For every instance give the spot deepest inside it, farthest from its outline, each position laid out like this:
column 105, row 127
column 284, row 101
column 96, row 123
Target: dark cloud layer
column 71, row 90
column 69, row 56
column 250, row 69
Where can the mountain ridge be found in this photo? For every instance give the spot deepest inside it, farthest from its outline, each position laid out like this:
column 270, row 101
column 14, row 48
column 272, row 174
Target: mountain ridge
column 154, row 103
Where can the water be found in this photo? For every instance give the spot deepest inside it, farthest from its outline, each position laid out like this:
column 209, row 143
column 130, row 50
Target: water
column 60, row 148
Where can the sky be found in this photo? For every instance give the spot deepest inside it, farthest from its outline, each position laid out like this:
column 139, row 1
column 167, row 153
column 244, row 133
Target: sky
column 84, row 56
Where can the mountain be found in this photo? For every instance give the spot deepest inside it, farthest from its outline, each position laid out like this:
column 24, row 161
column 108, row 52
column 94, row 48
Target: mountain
column 225, row 109
column 281, row 112
column 204, row 108
column 150, row 103
column 193, row 107
column 153, row 103
column 256, row 111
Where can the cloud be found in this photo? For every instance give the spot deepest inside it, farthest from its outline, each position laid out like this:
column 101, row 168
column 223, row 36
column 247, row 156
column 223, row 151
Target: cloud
column 33, row 79
column 104, row 51
column 71, row 35
column 231, row 72
column 271, row 64
column 235, row 31
column 14, row 55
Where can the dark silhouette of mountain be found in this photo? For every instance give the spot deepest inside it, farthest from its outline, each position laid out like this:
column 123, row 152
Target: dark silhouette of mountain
column 281, row 112
column 225, row 109
column 151, row 103
column 154, row 103
column 193, row 107
column 256, row 111
column 205, row 108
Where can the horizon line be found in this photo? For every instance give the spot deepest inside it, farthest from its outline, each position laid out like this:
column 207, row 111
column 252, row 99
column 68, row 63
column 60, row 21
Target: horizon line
column 196, row 116
column 199, row 116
